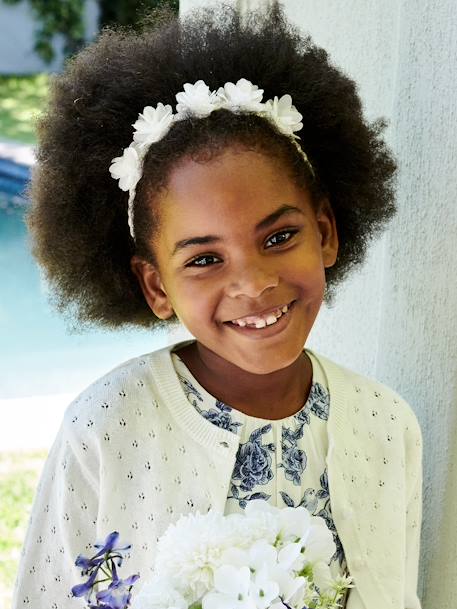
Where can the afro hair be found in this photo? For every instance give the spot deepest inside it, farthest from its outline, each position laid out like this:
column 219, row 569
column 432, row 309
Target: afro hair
column 78, row 214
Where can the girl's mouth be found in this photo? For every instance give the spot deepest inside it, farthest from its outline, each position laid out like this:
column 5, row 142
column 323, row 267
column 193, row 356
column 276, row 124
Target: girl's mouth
column 264, row 326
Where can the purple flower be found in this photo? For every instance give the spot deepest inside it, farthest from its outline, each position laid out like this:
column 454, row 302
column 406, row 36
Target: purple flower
column 109, row 546
column 87, row 563
column 86, row 588
column 118, row 594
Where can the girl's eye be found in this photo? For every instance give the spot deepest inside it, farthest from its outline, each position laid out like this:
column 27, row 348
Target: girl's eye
column 291, row 233
column 200, row 260
column 197, row 261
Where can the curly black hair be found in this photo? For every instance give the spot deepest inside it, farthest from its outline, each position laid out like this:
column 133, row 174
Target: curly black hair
column 78, row 214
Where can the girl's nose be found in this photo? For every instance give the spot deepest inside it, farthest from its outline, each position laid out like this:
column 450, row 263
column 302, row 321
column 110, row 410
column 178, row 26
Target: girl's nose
column 251, row 280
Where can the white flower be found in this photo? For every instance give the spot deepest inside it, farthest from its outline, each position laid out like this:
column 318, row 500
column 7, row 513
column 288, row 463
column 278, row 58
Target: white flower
column 127, row 168
column 235, row 556
column 244, row 561
column 190, row 550
column 263, row 558
column 305, row 595
column 322, row 577
column 257, row 506
column 341, row 582
column 159, row 594
column 231, row 589
column 290, row 557
column 318, row 542
column 263, row 589
column 261, row 521
column 346, row 581
column 260, row 554
column 153, row 124
column 284, row 114
column 244, row 95
column 295, row 522
column 196, row 99
column 289, row 584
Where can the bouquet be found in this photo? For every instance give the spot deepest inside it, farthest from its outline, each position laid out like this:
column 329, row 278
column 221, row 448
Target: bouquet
column 265, row 558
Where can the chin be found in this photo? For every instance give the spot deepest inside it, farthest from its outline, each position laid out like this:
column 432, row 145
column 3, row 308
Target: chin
column 272, row 364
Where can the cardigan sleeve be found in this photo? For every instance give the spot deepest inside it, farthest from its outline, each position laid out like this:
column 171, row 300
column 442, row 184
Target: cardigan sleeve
column 62, row 523
column 413, row 513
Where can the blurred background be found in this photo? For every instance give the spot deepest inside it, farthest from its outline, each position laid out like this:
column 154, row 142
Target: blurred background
column 42, row 365
column 394, row 319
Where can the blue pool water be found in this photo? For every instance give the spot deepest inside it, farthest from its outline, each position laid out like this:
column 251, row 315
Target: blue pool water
column 38, row 355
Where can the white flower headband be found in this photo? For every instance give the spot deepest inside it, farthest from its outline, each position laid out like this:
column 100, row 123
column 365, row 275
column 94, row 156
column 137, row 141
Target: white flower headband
column 197, row 100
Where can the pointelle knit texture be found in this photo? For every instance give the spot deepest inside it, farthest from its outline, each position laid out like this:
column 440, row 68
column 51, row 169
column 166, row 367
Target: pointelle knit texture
column 132, row 455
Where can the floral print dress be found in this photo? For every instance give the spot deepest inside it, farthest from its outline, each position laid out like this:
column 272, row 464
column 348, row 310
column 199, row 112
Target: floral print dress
column 282, row 461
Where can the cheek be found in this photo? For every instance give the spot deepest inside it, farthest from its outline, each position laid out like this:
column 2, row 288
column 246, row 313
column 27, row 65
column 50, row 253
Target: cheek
column 194, row 299
column 308, row 270
column 313, row 290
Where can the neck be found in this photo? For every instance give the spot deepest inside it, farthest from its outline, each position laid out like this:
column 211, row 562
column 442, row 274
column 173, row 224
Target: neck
column 270, row 396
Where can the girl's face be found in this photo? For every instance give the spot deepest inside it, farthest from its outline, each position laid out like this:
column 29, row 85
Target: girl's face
column 239, row 237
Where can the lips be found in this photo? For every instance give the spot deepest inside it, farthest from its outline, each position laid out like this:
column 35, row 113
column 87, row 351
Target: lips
column 260, row 331
column 261, row 313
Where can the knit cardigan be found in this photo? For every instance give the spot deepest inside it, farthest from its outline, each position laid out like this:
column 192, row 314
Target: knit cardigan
column 132, row 455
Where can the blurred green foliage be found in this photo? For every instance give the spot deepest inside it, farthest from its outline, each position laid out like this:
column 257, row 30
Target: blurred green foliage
column 57, row 17
column 67, row 18
column 19, row 475
column 22, row 98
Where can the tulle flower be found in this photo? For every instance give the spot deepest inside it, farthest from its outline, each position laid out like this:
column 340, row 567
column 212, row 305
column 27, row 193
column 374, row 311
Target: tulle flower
column 244, row 95
column 152, row 124
column 196, row 99
column 127, row 168
column 284, row 114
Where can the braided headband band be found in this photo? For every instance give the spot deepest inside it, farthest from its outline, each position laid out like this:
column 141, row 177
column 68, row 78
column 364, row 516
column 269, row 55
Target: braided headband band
column 197, row 100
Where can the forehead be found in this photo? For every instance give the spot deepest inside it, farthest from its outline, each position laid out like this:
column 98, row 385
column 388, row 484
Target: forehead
column 235, row 189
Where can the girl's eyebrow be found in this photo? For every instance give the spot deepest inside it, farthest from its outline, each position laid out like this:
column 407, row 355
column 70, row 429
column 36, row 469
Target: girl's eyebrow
column 265, row 223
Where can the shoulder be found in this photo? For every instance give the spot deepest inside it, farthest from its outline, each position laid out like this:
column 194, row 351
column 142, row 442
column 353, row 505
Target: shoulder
column 375, row 398
column 120, row 398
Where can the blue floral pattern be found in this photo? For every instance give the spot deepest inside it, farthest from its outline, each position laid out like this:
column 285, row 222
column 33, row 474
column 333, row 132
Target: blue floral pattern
column 320, row 401
column 272, row 462
column 192, row 394
column 220, row 415
column 253, row 463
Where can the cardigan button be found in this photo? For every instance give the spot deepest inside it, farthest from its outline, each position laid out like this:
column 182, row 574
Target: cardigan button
column 224, row 444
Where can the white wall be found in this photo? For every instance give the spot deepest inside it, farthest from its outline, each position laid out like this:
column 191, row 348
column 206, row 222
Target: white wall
column 17, row 39
column 396, row 318
column 418, row 326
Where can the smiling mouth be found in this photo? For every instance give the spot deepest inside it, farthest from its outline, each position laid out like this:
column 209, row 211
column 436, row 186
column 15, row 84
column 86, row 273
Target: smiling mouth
column 261, row 321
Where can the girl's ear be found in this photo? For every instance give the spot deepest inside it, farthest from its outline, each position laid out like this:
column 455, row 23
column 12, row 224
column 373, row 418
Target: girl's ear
column 329, row 237
column 152, row 287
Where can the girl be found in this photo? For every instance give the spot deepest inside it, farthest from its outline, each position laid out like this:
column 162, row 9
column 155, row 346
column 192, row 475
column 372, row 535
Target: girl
column 219, row 172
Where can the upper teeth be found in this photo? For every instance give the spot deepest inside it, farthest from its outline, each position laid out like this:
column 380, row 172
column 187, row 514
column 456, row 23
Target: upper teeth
column 260, row 321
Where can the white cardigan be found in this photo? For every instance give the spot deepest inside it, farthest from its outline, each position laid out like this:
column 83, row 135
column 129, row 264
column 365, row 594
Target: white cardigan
column 132, row 454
